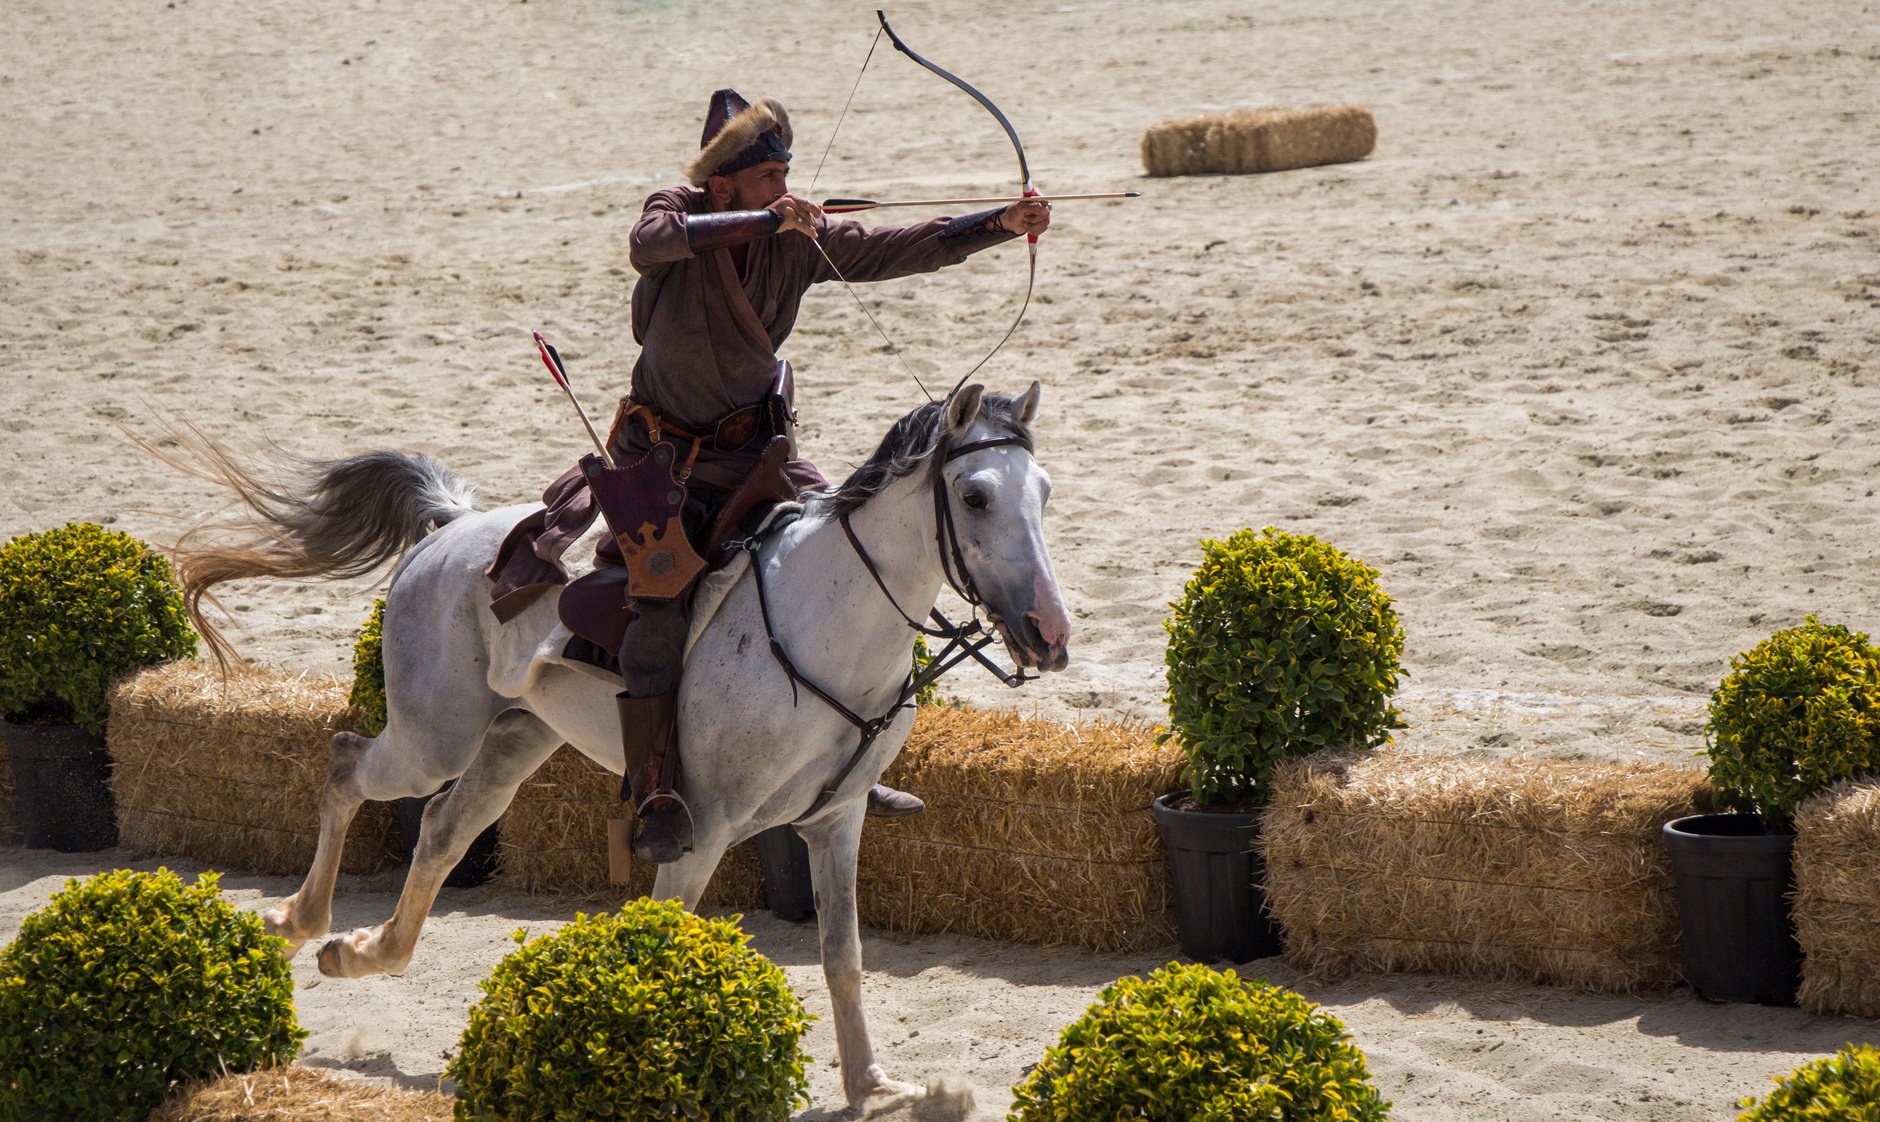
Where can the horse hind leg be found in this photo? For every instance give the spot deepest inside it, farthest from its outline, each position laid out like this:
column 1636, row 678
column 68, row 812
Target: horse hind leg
column 514, row 746
column 414, row 756
column 309, row 912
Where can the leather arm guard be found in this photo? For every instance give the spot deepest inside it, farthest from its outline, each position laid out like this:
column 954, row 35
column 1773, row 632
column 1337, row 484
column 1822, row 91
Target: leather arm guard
column 974, row 231
column 728, row 228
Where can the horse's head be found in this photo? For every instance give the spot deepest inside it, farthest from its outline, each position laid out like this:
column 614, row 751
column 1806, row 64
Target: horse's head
column 990, row 499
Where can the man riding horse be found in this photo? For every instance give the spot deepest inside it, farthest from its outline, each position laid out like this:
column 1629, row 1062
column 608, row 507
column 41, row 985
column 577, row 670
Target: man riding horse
column 719, row 289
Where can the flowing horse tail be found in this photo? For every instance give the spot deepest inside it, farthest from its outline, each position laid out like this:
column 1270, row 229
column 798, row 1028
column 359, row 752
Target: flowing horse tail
column 331, row 519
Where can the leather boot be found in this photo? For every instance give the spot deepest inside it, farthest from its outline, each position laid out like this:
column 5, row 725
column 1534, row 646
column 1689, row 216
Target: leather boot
column 662, row 822
column 886, row 802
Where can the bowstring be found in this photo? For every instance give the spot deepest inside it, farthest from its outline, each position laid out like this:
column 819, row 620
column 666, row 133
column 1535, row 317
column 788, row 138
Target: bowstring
column 817, row 242
column 857, row 297
column 844, row 115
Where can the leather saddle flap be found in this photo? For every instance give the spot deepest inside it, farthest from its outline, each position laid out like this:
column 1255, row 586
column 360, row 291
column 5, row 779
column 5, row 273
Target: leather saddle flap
column 597, row 607
column 642, row 503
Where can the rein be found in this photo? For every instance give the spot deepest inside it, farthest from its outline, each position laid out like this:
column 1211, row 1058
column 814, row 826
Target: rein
column 964, row 640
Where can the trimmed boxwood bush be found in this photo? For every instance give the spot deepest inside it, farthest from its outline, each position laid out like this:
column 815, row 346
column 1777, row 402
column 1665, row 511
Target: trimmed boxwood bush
column 1193, row 1044
column 1797, row 713
column 367, row 700
column 80, row 606
column 1844, row 1087
column 1281, row 645
column 128, row 982
column 651, row 1012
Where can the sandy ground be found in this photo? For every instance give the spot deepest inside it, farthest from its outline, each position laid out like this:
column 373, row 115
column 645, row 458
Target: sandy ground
column 1581, row 359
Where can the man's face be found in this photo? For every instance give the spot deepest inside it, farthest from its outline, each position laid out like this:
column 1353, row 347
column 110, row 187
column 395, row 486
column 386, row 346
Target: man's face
column 759, row 185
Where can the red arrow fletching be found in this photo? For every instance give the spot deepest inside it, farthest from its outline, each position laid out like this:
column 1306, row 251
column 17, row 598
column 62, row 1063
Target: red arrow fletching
column 551, row 358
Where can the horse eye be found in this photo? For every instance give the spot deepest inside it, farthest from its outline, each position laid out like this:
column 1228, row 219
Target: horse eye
column 974, row 500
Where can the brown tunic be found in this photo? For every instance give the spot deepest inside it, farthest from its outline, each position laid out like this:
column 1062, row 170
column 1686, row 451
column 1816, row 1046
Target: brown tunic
column 708, row 346
column 709, row 342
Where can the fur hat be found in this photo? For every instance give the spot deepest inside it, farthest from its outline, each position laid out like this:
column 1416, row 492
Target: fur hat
column 738, row 135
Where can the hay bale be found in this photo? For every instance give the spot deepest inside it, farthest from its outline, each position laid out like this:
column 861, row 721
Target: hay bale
column 10, row 833
column 1837, row 900
column 1540, row 870
column 554, row 841
column 300, row 1094
column 1035, row 832
column 1259, row 140
column 229, row 772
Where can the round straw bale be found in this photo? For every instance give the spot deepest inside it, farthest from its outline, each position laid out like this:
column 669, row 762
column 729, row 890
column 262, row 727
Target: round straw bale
column 1259, row 140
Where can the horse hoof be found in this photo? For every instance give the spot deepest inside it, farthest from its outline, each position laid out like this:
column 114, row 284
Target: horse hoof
column 329, row 959
column 345, row 956
column 880, row 1092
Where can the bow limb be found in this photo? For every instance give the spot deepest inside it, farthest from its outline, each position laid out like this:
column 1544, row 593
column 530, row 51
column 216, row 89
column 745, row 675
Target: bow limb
column 1027, row 187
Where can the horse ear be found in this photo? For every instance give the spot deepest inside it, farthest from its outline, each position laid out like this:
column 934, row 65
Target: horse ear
column 963, row 408
column 1028, row 405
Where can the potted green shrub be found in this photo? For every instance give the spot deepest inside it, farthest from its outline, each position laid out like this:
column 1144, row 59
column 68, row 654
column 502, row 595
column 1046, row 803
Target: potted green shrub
column 1796, row 714
column 1281, row 645
column 128, row 982
column 366, row 704
column 1191, row 1042
column 79, row 607
column 1844, row 1087
column 650, row 1012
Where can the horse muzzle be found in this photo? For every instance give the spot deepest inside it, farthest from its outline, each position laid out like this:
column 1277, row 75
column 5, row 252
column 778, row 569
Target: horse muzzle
column 1037, row 643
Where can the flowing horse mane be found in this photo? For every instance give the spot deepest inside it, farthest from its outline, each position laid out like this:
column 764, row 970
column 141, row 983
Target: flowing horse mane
column 909, row 446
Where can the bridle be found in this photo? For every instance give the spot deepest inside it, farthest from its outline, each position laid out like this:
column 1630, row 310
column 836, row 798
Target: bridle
column 963, row 640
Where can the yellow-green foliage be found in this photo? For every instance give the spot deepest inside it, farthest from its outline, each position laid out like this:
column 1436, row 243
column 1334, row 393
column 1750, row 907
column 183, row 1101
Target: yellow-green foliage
column 647, row 1013
column 1844, row 1087
column 923, row 658
column 1281, row 645
column 1796, row 714
column 1194, row 1044
column 127, row 982
column 368, row 689
column 80, row 606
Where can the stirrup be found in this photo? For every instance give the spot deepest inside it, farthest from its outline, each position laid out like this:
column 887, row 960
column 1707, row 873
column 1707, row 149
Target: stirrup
column 663, row 832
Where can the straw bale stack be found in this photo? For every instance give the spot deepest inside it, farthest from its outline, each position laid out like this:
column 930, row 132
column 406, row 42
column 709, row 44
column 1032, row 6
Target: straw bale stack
column 554, row 841
column 300, row 1094
column 1259, row 140
column 10, row 833
column 230, row 771
column 1837, row 900
column 1548, row 871
column 1035, row 832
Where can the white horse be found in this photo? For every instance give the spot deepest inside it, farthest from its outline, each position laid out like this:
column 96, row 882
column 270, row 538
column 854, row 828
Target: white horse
column 951, row 495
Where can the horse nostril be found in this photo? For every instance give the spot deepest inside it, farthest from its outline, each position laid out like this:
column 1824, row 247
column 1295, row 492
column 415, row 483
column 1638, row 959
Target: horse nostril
column 1050, row 636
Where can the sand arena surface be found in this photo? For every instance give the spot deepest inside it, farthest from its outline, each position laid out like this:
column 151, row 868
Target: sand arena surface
column 1583, row 359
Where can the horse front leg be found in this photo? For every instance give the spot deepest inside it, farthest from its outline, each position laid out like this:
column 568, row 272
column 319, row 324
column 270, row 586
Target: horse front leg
column 833, row 845
column 516, row 744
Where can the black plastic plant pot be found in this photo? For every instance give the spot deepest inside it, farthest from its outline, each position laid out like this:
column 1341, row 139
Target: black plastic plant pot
column 1218, row 879
column 478, row 863
column 785, row 861
column 62, row 783
column 1733, row 883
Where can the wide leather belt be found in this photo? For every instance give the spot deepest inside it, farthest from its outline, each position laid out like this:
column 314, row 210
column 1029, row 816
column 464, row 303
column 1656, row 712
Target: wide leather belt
column 737, row 429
